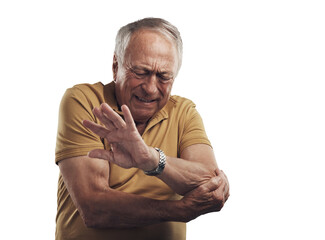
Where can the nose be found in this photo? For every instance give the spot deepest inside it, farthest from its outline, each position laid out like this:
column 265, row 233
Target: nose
column 150, row 85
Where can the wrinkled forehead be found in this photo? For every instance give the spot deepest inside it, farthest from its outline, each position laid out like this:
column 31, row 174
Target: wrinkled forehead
column 150, row 46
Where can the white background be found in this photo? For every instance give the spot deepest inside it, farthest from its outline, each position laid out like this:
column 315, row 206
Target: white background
column 255, row 69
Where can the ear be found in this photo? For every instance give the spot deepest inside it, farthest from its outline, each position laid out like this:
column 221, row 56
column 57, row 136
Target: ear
column 115, row 68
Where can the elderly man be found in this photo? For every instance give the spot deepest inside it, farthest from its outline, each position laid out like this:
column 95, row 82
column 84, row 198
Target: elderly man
column 135, row 161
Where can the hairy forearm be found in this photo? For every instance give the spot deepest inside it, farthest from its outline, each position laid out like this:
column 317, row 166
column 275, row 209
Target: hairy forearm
column 115, row 209
column 100, row 206
column 195, row 166
column 183, row 175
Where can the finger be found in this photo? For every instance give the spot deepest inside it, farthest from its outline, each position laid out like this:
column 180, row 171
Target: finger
column 103, row 119
column 110, row 114
column 224, row 187
column 213, row 184
column 218, row 172
column 226, row 182
column 96, row 128
column 227, row 196
column 227, row 187
column 219, row 193
column 223, row 173
column 101, row 154
column 128, row 116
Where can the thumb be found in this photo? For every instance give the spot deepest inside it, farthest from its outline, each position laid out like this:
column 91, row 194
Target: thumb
column 212, row 184
column 101, row 154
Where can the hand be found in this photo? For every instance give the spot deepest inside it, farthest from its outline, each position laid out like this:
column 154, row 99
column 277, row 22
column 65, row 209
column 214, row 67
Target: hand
column 208, row 197
column 127, row 146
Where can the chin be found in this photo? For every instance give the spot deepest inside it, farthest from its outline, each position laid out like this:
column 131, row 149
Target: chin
column 143, row 115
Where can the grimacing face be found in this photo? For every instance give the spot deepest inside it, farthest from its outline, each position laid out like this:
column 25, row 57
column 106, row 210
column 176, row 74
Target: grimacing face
column 145, row 80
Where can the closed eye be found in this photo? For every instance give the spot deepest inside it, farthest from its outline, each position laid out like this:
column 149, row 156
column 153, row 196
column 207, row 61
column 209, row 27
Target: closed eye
column 164, row 76
column 140, row 73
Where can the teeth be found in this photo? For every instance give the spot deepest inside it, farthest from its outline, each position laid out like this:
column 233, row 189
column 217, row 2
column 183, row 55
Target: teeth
column 144, row 100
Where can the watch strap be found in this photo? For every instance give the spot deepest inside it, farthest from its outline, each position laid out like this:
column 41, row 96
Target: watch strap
column 161, row 165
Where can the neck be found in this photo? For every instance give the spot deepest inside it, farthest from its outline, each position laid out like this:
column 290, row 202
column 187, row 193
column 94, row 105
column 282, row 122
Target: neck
column 141, row 127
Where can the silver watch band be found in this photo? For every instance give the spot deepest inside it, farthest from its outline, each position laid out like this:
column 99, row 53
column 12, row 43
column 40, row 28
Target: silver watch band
column 161, row 164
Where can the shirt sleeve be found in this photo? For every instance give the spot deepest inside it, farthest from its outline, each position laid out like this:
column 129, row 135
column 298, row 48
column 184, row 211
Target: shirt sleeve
column 73, row 139
column 192, row 129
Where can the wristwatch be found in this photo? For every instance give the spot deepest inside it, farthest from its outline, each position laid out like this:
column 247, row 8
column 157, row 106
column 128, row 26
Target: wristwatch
column 161, row 164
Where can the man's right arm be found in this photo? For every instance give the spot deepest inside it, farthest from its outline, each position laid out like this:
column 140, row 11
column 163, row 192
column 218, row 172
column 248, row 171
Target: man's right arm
column 103, row 207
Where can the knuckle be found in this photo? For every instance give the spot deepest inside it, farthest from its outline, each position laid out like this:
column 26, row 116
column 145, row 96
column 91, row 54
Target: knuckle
column 219, row 198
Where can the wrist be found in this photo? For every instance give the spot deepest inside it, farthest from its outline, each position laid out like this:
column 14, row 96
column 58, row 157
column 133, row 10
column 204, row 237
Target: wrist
column 161, row 164
column 151, row 161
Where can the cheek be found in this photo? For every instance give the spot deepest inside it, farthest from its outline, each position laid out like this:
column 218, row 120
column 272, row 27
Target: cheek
column 129, row 83
column 167, row 89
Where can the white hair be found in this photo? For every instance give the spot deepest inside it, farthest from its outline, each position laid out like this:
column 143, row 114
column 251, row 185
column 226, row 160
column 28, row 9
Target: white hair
column 124, row 35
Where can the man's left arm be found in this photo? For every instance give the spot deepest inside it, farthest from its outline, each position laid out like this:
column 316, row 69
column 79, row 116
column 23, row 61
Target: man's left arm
column 195, row 166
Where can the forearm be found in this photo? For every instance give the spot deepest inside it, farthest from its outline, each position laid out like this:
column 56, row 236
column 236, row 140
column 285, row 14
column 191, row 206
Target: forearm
column 196, row 166
column 115, row 209
column 100, row 206
column 183, row 176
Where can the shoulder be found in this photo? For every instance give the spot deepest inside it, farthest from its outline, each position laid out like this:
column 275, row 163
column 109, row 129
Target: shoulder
column 86, row 89
column 179, row 104
column 179, row 108
column 92, row 94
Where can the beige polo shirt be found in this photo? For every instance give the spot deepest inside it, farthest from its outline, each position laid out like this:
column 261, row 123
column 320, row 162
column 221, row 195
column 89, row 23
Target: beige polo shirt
column 175, row 127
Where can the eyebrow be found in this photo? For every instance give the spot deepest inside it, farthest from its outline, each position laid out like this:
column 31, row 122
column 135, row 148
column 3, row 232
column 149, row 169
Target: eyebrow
column 134, row 68
column 139, row 68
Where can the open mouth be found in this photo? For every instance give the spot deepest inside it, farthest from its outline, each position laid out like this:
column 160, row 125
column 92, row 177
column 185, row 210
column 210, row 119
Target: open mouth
column 144, row 100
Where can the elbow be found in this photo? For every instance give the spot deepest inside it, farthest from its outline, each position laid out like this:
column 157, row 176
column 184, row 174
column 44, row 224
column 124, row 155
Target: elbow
column 95, row 218
column 99, row 212
column 93, row 214
column 88, row 215
column 89, row 220
column 91, row 223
